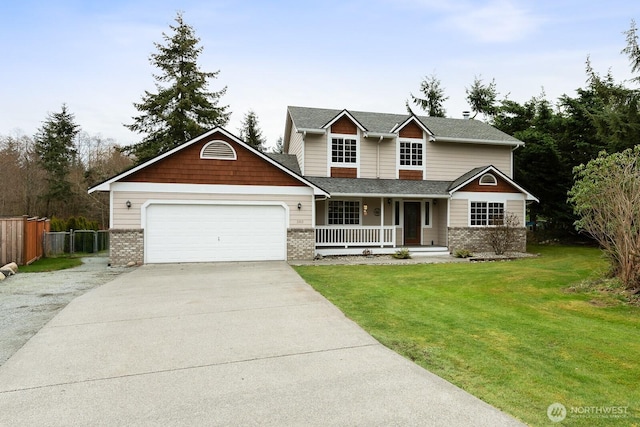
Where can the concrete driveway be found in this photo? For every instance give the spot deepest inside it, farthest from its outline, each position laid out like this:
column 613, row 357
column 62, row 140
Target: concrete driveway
column 220, row 344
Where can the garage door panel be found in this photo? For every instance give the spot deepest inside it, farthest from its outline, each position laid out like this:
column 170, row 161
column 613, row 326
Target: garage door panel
column 202, row 233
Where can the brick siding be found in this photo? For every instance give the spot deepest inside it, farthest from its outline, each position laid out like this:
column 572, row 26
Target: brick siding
column 125, row 246
column 476, row 239
column 301, row 243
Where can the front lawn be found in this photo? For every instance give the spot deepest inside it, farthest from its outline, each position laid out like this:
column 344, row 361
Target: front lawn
column 50, row 264
column 511, row 333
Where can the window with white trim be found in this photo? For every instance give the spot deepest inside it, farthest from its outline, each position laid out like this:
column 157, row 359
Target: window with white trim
column 343, row 150
column 344, row 212
column 488, row 179
column 411, row 153
column 427, row 213
column 486, row 213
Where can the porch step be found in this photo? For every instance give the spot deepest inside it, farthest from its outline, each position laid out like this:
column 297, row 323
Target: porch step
column 415, row 251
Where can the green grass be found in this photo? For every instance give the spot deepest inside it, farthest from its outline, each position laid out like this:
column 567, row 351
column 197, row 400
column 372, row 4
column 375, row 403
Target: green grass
column 50, row 264
column 510, row 333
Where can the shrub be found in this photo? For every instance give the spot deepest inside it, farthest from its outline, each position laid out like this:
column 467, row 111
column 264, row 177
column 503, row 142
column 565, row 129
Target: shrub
column 502, row 235
column 402, row 254
column 462, row 253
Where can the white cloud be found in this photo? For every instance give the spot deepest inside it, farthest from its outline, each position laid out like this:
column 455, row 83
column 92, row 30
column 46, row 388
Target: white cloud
column 492, row 21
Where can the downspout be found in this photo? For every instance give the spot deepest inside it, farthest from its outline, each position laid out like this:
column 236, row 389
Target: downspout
column 304, row 141
column 378, row 158
column 513, row 172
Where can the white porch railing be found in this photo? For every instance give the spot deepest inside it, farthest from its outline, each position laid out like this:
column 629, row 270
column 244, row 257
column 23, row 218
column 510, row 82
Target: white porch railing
column 355, row 236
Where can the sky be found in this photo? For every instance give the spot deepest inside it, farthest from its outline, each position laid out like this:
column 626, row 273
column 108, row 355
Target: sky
column 366, row 55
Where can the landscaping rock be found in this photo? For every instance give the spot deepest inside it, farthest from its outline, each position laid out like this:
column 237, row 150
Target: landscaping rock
column 8, row 272
column 2, row 277
column 11, row 266
column 131, row 264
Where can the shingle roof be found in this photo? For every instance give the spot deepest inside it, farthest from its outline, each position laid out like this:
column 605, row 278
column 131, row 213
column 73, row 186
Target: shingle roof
column 472, row 173
column 317, row 118
column 381, row 187
column 289, row 161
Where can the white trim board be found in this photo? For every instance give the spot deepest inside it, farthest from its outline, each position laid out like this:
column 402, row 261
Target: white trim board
column 152, row 187
column 145, row 205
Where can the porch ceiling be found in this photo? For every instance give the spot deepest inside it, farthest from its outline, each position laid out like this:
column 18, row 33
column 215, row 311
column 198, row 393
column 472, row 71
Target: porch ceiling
column 382, row 187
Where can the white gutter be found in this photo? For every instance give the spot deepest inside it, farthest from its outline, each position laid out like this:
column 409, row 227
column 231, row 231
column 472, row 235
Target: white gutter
column 312, row 131
column 477, row 141
column 380, row 135
column 392, row 195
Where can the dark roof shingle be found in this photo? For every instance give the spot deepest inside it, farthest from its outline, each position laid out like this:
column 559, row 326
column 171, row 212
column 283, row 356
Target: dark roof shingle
column 381, row 187
column 467, row 129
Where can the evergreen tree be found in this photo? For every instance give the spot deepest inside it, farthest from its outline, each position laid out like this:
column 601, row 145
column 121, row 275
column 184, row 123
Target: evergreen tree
column 54, row 145
column 279, row 148
column 184, row 108
column 250, row 131
column 434, row 97
column 482, row 98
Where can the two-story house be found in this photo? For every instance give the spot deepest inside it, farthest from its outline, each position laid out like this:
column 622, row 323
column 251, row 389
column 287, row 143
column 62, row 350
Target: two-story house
column 426, row 183
column 349, row 181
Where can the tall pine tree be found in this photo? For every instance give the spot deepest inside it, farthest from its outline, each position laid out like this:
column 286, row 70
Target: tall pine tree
column 250, row 131
column 55, row 147
column 434, row 97
column 184, row 108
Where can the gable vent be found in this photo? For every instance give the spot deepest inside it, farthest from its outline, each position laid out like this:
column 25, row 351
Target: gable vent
column 218, row 150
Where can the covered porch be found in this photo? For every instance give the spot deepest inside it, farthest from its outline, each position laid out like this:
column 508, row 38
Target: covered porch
column 381, row 225
column 380, row 216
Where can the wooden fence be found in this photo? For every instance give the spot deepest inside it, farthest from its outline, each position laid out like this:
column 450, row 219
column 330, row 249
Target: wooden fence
column 21, row 239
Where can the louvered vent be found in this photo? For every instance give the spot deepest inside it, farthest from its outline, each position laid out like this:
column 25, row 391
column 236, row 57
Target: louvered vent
column 218, row 150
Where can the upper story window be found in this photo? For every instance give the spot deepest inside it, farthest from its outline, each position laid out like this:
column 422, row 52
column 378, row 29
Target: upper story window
column 344, row 212
column 343, row 150
column 488, row 179
column 486, row 213
column 411, row 153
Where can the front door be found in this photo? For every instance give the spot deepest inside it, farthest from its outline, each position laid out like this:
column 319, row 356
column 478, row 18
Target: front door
column 412, row 223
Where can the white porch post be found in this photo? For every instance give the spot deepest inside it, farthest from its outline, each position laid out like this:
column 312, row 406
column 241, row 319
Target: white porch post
column 382, row 222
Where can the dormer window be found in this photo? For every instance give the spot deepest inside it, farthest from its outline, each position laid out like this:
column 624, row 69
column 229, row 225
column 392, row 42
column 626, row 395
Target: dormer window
column 343, row 150
column 488, row 179
column 410, row 153
column 218, row 150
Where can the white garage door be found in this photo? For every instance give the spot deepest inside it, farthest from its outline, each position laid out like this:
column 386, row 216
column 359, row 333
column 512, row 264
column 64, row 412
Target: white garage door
column 202, row 233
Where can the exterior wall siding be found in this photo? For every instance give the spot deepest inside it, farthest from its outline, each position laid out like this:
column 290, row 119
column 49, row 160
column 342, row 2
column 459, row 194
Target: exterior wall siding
column 130, row 218
column 295, row 147
column 315, row 155
column 388, row 159
column 186, row 166
column 459, row 213
column 344, row 172
column 410, row 174
column 501, row 186
column 411, row 130
column 368, row 158
column 517, row 208
column 448, row 161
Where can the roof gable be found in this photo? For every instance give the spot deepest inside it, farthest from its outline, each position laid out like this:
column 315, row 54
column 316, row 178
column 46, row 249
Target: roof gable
column 504, row 184
column 184, row 164
column 442, row 129
column 411, row 127
column 340, row 118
